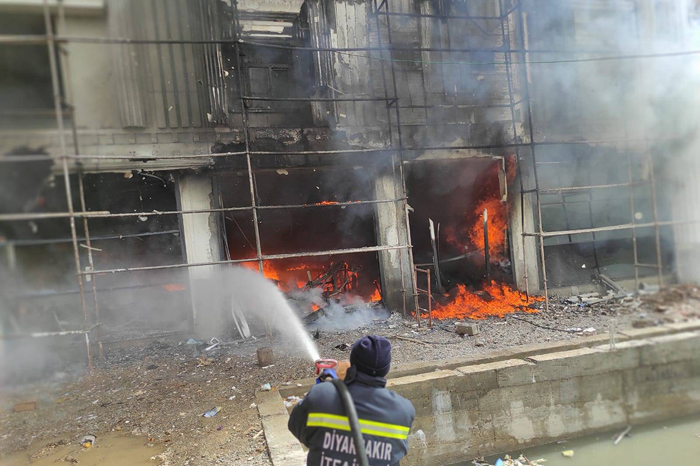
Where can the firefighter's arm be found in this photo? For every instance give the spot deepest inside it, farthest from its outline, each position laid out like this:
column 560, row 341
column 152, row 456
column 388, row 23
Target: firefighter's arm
column 297, row 421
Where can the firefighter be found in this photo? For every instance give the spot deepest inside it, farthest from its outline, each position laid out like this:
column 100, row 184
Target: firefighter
column 385, row 417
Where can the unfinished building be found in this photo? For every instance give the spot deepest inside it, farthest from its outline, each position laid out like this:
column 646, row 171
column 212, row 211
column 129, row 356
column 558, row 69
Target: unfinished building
column 147, row 142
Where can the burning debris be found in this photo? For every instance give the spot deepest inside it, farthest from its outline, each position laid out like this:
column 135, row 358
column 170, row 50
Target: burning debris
column 495, row 299
column 339, row 282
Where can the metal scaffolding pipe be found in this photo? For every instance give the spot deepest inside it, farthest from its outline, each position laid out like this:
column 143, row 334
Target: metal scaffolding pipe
column 632, row 219
column 329, row 252
column 626, row 226
column 144, row 159
column 581, row 188
column 50, row 215
column 421, row 15
column 43, row 242
column 106, row 214
column 655, row 213
column 318, row 99
column 66, row 176
column 18, row 336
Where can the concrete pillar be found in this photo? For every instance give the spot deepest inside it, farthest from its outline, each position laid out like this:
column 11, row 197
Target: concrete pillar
column 686, row 208
column 391, row 230
column 202, row 243
column 525, row 257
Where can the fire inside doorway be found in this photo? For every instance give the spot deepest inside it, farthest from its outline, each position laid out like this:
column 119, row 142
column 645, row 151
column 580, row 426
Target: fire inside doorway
column 342, row 278
column 456, row 196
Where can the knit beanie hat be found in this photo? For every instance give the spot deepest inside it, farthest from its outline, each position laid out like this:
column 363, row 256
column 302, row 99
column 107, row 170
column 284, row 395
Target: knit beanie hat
column 371, row 355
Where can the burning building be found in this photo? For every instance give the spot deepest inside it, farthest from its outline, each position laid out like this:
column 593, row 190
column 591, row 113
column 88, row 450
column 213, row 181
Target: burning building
column 148, row 142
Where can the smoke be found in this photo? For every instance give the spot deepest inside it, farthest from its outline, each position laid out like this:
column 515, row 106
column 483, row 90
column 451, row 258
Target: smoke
column 349, row 317
column 348, row 314
column 604, row 73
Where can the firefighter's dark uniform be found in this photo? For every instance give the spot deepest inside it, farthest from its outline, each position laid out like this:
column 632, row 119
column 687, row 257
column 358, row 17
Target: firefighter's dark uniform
column 385, row 420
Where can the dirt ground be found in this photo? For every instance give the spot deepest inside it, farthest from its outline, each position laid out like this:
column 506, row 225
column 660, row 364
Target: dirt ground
column 158, row 392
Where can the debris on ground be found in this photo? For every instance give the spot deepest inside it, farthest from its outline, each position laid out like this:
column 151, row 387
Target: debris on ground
column 467, row 329
column 568, row 453
column 265, row 356
column 507, row 460
column 213, row 343
column 292, row 401
column 88, row 441
column 25, row 406
column 46, row 450
column 212, row 412
column 621, row 435
column 266, row 387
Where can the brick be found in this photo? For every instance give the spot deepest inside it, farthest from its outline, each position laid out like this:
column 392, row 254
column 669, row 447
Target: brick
column 467, row 329
column 25, row 406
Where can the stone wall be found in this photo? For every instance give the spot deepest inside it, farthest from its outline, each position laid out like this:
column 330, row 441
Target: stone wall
column 507, row 405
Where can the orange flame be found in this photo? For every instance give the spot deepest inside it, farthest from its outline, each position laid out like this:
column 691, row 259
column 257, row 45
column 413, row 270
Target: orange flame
column 497, row 224
column 268, row 270
column 498, row 300
column 287, row 277
column 472, row 231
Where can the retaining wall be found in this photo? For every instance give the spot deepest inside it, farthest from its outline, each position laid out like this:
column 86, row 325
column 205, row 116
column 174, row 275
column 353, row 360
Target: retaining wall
column 536, row 395
column 503, row 406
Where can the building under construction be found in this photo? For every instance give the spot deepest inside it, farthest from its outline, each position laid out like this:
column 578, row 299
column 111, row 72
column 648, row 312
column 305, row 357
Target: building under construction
column 378, row 149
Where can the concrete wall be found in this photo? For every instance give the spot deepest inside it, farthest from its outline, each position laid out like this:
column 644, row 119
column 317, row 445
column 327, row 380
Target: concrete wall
column 508, row 405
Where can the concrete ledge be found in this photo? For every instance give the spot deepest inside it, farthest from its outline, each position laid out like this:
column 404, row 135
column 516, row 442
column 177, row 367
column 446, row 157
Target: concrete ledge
column 285, row 449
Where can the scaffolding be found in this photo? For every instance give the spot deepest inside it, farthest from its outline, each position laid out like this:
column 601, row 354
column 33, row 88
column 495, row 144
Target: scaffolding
column 510, row 20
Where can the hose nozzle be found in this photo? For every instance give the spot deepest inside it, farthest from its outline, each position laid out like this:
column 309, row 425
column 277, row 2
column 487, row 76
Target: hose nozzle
column 322, row 364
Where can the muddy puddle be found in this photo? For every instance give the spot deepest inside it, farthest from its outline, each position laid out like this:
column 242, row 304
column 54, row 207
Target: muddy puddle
column 109, row 450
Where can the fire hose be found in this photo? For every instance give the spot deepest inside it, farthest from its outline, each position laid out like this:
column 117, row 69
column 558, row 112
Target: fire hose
column 349, row 408
column 324, row 369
